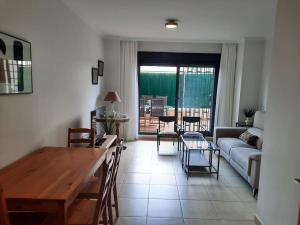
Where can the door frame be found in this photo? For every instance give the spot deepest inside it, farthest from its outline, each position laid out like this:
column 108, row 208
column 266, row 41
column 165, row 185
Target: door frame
column 181, row 60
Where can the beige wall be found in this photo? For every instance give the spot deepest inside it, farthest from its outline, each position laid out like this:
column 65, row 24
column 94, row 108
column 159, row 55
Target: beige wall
column 279, row 195
column 63, row 51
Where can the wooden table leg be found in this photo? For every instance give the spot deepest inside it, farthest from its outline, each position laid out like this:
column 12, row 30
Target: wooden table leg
column 59, row 217
column 56, row 209
column 118, row 132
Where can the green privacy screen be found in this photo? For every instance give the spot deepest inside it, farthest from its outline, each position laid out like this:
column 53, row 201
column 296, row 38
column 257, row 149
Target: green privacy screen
column 195, row 89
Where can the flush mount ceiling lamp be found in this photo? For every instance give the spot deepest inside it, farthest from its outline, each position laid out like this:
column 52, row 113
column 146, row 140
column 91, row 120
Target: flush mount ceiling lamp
column 171, row 24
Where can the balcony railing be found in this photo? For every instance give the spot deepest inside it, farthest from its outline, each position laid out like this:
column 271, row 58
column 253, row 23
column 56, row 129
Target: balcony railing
column 149, row 125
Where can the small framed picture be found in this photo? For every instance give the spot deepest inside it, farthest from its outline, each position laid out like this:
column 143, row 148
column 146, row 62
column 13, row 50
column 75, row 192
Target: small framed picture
column 94, row 75
column 100, row 67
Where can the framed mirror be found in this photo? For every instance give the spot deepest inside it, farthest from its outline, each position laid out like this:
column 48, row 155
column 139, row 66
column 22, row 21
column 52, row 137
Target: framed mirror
column 15, row 65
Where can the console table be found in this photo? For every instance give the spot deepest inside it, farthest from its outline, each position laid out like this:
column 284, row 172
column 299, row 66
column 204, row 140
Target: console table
column 118, row 121
column 243, row 124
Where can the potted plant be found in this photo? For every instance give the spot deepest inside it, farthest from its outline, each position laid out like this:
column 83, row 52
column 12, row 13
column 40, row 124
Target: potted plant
column 110, row 124
column 249, row 113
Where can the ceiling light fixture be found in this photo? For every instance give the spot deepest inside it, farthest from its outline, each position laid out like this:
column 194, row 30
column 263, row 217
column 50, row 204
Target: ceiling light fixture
column 171, row 24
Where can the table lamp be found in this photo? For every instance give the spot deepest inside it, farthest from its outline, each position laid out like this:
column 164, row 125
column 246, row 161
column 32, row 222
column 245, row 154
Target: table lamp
column 112, row 97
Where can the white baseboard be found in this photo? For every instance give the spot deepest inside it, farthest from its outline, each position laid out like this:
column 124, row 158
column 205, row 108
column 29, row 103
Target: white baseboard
column 258, row 221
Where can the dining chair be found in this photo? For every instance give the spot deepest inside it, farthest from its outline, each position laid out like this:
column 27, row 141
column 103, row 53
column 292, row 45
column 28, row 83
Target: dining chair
column 81, row 136
column 92, row 188
column 85, row 211
column 157, row 108
column 18, row 218
column 166, row 134
column 113, row 189
column 4, row 219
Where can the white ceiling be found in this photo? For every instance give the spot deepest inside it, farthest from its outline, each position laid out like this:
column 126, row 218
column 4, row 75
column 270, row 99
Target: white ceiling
column 199, row 20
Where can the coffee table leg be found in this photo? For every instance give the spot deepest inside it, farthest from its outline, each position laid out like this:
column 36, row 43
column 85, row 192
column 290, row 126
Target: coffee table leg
column 188, row 162
column 218, row 164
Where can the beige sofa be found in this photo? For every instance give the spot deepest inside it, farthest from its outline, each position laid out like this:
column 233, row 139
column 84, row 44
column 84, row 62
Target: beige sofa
column 244, row 158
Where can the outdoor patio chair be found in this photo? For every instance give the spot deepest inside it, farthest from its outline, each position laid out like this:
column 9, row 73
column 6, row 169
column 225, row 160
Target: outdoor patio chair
column 157, row 108
column 147, row 99
column 166, row 134
column 191, row 124
column 165, row 98
column 142, row 112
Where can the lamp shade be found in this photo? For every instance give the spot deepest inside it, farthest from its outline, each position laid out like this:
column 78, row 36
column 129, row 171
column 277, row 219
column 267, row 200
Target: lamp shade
column 112, row 96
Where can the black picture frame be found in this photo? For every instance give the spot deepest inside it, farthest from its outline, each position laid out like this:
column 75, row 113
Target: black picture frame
column 16, row 52
column 94, row 76
column 100, row 68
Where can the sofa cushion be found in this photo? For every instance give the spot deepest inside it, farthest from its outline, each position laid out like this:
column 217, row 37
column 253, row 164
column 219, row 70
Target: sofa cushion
column 227, row 143
column 256, row 131
column 249, row 138
column 241, row 156
column 259, row 133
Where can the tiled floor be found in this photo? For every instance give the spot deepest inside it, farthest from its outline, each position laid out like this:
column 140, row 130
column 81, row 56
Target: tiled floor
column 153, row 190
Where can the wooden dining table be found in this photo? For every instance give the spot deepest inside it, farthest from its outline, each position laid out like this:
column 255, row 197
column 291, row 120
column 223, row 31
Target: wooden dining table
column 49, row 179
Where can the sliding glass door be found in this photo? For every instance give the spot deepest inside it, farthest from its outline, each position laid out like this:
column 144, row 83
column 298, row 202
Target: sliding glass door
column 196, row 94
column 157, row 88
column 177, row 84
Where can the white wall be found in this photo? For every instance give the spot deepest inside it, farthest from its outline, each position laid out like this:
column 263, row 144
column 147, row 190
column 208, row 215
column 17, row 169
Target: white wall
column 112, row 64
column 63, row 51
column 279, row 195
column 238, row 81
column 249, row 72
column 264, row 87
column 151, row 46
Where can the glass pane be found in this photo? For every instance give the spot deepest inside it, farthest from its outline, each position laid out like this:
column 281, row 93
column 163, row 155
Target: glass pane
column 196, row 92
column 157, row 91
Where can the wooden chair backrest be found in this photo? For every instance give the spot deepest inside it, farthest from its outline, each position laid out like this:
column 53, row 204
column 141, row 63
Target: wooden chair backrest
column 104, row 191
column 90, row 139
column 117, row 154
column 4, row 220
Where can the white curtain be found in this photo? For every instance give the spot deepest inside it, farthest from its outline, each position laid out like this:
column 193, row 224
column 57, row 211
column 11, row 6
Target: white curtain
column 225, row 93
column 129, row 87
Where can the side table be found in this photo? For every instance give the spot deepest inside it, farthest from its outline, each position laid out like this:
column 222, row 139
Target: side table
column 243, row 124
column 118, row 121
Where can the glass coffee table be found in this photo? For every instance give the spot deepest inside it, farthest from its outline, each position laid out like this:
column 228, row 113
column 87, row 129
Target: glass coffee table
column 198, row 154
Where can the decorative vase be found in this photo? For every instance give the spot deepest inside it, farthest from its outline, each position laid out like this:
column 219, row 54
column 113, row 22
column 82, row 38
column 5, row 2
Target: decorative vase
column 248, row 120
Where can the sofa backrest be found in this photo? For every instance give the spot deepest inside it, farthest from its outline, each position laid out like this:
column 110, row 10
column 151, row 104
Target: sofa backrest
column 259, row 118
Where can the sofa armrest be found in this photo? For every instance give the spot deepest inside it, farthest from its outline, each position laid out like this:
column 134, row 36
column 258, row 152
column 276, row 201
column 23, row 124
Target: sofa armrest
column 255, row 156
column 233, row 132
column 254, row 168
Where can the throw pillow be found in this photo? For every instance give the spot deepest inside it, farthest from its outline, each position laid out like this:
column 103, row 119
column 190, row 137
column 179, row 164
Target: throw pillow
column 249, row 138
